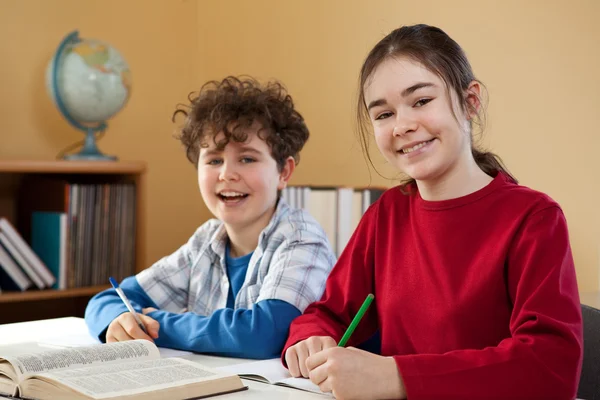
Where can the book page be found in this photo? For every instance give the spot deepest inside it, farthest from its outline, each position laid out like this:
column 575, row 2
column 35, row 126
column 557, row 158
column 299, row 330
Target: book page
column 132, row 377
column 85, row 339
column 303, row 384
column 273, row 372
column 28, row 364
column 270, row 370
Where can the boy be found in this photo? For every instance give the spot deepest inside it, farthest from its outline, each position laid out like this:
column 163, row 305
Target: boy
column 241, row 279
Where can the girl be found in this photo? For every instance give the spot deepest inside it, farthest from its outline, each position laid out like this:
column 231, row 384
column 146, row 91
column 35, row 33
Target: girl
column 474, row 282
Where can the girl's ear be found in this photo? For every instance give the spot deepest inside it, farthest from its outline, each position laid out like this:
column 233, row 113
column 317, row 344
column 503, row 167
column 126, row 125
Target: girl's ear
column 473, row 97
column 286, row 172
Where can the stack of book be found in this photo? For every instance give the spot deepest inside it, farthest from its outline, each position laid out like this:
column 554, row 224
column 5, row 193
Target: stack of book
column 71, row 235
column 20, row 267
column 337, row 209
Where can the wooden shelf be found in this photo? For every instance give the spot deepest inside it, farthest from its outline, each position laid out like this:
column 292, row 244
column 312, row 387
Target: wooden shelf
column 72, row 167
column 28, row 185
column 36, row 295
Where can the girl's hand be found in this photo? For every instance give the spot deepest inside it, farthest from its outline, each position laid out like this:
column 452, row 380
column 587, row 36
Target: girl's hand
column 125, row 327
column 351, row 373
column 296, row 355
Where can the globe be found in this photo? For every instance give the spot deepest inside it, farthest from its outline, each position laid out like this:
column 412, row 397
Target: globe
column 89, row 82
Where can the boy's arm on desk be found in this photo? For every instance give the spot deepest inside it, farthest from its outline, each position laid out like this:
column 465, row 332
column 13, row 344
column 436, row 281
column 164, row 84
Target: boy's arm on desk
column 259, row 332
column 104, row 307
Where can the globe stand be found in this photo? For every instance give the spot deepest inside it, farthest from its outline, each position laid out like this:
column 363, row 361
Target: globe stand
column 90, row 150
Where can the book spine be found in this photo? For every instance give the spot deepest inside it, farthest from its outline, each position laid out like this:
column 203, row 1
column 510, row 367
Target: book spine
column 26, row 251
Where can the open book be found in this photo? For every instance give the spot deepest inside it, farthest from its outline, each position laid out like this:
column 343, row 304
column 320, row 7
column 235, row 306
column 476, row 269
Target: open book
column 124, row 370
column 272, row 372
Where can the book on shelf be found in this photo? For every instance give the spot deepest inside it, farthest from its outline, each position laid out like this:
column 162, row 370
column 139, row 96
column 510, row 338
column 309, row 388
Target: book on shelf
column 23, row 253
column 271, row 372
column 132, row 370
column 20, row 260
column 11, row 276
column 337, row 209
column 49, row 242
column 82, row 228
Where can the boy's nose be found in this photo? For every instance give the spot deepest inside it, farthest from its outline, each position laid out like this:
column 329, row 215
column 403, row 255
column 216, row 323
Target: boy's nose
column 228, row 173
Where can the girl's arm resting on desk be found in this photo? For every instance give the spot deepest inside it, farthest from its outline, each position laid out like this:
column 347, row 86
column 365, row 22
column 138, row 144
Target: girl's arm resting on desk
column 542, row 358
column 256, row 333
column 333, row 313
column 104, row 307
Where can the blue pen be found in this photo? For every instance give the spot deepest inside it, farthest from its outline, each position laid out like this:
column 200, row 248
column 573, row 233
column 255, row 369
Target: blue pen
column 127, row 304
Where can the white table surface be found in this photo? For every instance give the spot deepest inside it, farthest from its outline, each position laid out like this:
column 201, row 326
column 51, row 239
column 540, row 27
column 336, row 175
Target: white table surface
column 14, row 338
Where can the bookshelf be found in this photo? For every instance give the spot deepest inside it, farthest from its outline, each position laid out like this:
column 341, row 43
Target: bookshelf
column 338, row 209
column 33, row 304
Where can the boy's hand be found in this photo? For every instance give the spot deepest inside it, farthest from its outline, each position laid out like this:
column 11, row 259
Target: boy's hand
column 350, row 373
column 296, row 355
column 125, row 327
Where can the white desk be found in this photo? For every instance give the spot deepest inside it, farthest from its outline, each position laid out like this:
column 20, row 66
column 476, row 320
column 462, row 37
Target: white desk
column 15, row 337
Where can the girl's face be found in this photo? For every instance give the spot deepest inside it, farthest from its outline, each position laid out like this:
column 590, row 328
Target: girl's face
column 415, row 128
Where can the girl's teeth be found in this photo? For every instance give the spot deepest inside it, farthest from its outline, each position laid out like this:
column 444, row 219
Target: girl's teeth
column 415, row 147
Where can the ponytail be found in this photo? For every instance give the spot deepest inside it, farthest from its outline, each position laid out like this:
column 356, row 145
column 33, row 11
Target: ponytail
column 490, row 163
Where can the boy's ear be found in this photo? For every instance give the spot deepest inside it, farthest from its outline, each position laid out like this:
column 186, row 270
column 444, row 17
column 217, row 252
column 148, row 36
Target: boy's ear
column 286, row 172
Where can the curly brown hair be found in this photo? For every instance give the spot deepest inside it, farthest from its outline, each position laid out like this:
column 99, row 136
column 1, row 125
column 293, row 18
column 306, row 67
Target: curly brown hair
column 234, row 104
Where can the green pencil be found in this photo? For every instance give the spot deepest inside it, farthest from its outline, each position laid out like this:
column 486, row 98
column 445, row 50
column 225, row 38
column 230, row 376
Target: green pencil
column 361, row 312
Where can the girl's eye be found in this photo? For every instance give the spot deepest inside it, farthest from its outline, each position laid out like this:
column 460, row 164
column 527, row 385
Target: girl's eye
column 214, row 161
column 247, row 160
column 422, row 102
column 383, row 115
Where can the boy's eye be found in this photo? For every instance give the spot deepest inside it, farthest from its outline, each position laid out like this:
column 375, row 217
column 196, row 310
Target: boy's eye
column 422, row 102
column 247, row 160
column 214, row 161
column 383, row 115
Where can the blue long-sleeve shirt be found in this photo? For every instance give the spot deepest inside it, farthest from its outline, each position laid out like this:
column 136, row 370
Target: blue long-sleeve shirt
column 259, row 332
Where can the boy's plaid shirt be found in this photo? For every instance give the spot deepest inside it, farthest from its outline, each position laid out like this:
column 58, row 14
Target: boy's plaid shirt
column 291, row 263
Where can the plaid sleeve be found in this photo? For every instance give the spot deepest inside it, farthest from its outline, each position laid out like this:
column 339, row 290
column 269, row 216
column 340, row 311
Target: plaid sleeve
column 299, row 265
column 167, row 281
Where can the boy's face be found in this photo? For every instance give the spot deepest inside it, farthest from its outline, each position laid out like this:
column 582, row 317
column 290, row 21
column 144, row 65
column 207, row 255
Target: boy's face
column 239, row 184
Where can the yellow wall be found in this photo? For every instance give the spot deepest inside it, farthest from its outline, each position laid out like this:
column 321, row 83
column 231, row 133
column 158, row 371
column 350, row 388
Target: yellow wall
column 539, row 60
column 158, row 40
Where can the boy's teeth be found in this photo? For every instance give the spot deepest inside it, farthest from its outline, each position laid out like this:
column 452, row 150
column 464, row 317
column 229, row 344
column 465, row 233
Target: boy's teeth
column 415, row 147
column 231, row 194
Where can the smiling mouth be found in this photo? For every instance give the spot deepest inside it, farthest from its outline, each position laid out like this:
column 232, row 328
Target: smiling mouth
column 231, row 197
column 415, row 147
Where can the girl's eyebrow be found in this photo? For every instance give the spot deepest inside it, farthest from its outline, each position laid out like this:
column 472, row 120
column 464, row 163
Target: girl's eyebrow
column 410, row 90
column 406, row 92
